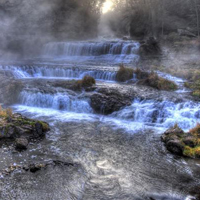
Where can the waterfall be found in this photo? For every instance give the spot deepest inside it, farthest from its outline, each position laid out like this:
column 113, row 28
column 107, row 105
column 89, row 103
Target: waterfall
column 90, row 48
column 107, row 51
column 58, row 101
column 164, row 113
column 58, row 72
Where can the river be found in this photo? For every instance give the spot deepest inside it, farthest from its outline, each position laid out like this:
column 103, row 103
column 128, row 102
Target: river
column 116, row 156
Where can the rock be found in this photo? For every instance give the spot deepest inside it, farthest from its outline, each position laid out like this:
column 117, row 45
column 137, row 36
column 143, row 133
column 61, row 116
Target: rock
column 36, row 167
column 165, row 138
column 182, row 143
column 21, row 130
column 21, row 143
column 174, row 130
column 38, row 128
column 175, row 146
column 109, row 101
column 190, row 141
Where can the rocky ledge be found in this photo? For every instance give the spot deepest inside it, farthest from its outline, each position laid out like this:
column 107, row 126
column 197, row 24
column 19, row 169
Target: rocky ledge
column 183, row 143
column 19, row 131
column 109, row 100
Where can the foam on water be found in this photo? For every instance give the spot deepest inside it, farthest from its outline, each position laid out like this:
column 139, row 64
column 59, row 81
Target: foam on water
column 163, row 114
column 58, row 101
column 107, row 51
column 59, row 72
column 141, row 114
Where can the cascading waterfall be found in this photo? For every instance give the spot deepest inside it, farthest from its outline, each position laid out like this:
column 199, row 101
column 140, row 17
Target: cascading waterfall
column 119, row 51
column 163, row 114
column 58, row 72
column 148, row 112
column 58, row 101
column 90, row 48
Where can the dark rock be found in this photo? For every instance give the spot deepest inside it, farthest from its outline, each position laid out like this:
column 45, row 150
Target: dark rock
column 38, row 128
column 36, row 167
column 21, row 131
column 190, row 141
column 21, row 143
column 174, row 130
column 165, row 138
column 108, row 101
column 175, row 146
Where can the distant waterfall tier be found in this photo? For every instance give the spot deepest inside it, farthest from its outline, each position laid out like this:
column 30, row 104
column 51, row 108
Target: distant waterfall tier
column 58, row 101
column 90, row 48
column 58, row 72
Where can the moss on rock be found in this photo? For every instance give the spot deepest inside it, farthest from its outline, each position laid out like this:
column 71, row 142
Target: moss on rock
column 153, row 80
column 14, row 126
column 124, row 74
column 86, row 82
column 189, row 142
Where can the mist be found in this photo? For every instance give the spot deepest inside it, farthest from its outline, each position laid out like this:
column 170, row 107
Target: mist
column 27, row 25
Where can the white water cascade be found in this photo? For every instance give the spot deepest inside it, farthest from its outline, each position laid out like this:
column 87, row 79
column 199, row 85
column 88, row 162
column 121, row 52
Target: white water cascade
column 58, row 101
column 115, row 51
column 162, row 114
column 57, row 72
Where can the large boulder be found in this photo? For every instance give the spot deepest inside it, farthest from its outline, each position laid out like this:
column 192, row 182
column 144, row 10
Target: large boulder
column 107, row 101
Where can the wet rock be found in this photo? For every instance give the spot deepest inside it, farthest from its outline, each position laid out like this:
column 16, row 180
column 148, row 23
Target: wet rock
column 108, row 101
column 195, row 191
column 174, row 130
column 21, row 143
column 181, row 143
column 36, row 167
column 38, row 128
column 175, row 146
column 21, row 130
column 190, row 141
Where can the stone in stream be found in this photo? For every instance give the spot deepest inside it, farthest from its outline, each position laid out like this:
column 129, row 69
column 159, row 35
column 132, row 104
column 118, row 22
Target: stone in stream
column 20, row 130
column 182, row 143
column 21, row 143
column 108, row 100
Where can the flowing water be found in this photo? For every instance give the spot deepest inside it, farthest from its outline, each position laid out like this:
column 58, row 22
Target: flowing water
column 118, row 156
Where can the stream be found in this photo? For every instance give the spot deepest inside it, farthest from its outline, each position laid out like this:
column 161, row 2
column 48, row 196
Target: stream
column 118, row 156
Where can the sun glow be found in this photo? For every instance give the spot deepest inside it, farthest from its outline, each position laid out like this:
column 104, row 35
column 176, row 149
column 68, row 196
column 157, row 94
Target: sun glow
column 107, row 6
